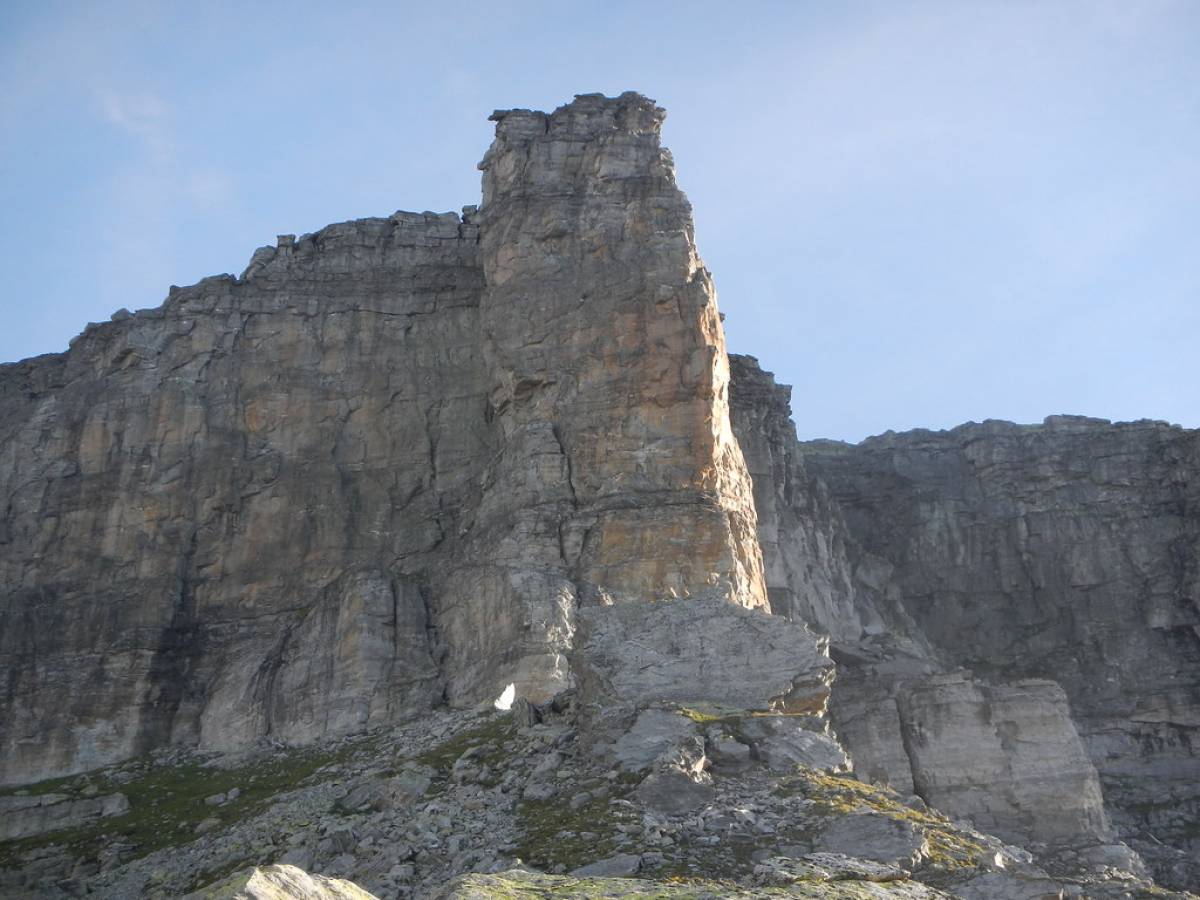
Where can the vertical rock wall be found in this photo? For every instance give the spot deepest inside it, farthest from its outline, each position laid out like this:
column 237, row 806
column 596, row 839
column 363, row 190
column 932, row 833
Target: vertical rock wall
column 1038, row 668
column 380, row 470
column 617, row 476
column 219, row 514
column 1066, row 551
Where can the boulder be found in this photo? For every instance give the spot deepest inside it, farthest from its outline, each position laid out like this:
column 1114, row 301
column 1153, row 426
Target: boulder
column 880, row 838
column 783, row 743
column 282, row 882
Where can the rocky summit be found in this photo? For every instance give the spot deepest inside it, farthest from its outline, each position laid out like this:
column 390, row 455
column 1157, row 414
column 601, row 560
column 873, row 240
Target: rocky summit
column 446, row 555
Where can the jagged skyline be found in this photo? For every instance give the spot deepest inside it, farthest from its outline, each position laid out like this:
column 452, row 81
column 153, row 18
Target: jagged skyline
column 917, row 214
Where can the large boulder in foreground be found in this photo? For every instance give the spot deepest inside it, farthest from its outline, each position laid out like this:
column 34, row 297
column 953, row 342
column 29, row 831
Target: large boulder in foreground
column 281, row 883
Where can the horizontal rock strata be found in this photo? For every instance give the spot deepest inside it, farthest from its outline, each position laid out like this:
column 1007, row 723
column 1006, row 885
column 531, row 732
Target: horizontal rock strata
column 379, row 470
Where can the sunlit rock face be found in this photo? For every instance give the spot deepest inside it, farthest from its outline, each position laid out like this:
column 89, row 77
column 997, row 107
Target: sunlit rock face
column 436, row 459
column 616, row 476
column 379, row 470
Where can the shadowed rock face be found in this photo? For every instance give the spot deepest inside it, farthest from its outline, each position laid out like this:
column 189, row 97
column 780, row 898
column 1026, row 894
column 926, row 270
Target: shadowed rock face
column 221, row 515
column 1038, row 663
column 1068, row 551
column 380, row 469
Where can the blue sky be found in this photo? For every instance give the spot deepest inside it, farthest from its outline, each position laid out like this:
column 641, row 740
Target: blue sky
column 918, row 214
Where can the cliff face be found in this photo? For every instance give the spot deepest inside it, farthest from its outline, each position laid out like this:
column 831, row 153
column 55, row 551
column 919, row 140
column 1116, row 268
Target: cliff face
column 221, row 513
column 405, row 462
column 378, row 470
column 1067, row 551
column 1014, row 612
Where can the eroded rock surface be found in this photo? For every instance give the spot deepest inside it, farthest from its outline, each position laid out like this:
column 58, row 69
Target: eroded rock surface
column 1070, row 552
column 410, row 461
column 1014, row 612
column 379, row 470
column 221, row 513
column 281, row 882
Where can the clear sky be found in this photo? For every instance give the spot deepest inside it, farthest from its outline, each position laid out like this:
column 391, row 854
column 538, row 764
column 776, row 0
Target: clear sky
column 918, row 214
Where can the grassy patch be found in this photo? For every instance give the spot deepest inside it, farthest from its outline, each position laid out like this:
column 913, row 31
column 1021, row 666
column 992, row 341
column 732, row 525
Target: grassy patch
column 551, row 832
column 491, row 734
column 836, row 795
column 490, row 737
column 166, row 802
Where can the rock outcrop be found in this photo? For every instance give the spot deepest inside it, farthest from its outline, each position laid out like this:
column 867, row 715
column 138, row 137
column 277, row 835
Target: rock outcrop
column 281, row 883
column 380, row 469
column 1070, row 552
column 25, row 815
column 404, row 465
column 1038, row 663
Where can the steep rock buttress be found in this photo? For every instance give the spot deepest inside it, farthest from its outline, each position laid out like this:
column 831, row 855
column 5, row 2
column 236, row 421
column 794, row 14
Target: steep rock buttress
column 380, row 470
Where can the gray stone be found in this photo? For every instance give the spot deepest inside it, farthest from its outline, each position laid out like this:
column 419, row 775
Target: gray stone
column 618, row 866
column 539, row 790
column 673, row 793
column 701, row 651
column 841, row 866
column 379, row 469
column 25, row 816
column 207, row 825
column 1005, row 756
column 783, row 743
column 824, row 867
column 300, row 857
column 380, row 794
column 1062, row 552
column 1007, row 886
column 524, row 713
column 870, row 836
column 727, row 754
column 655, row 734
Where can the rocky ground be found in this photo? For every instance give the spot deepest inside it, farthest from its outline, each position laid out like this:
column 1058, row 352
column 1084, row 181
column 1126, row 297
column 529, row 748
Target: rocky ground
column 528, row 803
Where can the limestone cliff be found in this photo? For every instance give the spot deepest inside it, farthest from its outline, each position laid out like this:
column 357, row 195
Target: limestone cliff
column 401, row 463
column 378, row 470
column 1067, row 551
column 1038, row 665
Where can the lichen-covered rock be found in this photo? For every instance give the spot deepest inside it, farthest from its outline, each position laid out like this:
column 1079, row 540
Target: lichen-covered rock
column 519, row 885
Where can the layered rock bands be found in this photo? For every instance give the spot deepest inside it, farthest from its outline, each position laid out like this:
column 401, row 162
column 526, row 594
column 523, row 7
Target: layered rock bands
column 381, row 469
column 1015, row 614
column 409, row 461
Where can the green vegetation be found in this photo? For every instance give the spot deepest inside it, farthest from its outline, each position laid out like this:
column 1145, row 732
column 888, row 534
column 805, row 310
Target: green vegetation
column 490, row 736
column 166, row 802
column 552, row 832
column 839, row 795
